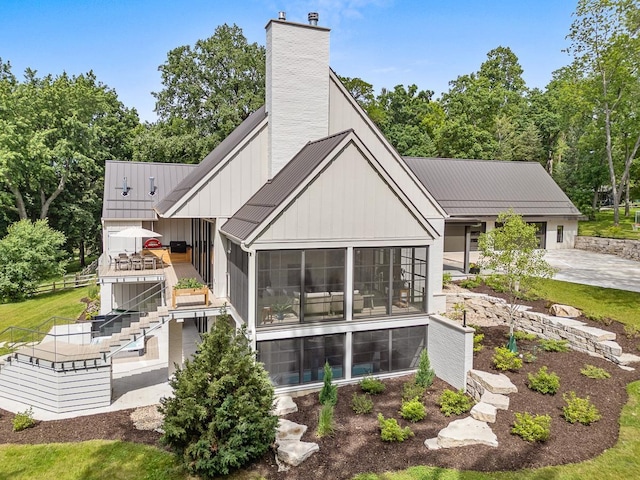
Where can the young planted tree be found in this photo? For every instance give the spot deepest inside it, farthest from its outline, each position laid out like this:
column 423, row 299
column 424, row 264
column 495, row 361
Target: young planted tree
column 329, row 392
column 512, row 250
column 219, row 417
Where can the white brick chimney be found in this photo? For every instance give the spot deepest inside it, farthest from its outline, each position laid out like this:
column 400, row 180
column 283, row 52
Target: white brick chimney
column 297, row 87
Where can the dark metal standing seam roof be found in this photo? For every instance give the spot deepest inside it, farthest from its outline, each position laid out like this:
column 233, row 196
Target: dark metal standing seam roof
column 210, row 161
column 138, row 204
column 274, row 192
column 488, row 187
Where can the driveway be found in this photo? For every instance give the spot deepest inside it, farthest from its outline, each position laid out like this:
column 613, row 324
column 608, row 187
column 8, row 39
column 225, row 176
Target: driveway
column 577, row 266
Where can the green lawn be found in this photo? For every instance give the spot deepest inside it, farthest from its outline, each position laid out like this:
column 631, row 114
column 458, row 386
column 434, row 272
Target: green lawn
column 619, row 305
column 602, row 226
column 34, row 311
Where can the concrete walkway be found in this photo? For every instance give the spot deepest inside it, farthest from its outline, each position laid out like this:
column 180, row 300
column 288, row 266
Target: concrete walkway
column 577, row 266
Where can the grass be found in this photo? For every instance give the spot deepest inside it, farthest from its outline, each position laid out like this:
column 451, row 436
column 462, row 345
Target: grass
column 601, row 226
column 621, row 461
column 94, row 460
column 619, row 305
column 34, row 311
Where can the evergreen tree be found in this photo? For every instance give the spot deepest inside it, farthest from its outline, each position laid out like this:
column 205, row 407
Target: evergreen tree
column 219, row 418
column 329, row 392
column 425, row 374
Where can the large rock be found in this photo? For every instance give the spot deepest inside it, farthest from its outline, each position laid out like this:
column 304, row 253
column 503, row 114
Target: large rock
column 295, row 452
column 284, row 405
column 467, row 431
column 288, row 430
column 566, row 311
column 484, row 412
column 494, row 383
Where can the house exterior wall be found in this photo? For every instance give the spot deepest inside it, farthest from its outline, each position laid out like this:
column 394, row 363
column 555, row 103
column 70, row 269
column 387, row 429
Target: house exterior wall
column 344, row 115
column 233, row 183
column 297, row 88
column 348, row 201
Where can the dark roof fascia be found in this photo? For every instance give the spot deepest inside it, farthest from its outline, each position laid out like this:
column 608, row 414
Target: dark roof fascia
column 211, row 161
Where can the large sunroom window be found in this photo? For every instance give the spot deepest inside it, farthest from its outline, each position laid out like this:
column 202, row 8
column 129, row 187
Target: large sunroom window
column 389, row 281
column 296, row 286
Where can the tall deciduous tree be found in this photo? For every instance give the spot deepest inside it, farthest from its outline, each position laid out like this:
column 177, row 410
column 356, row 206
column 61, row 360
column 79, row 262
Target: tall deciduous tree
column 512, row 250
column 209, row 89
column 605, row 44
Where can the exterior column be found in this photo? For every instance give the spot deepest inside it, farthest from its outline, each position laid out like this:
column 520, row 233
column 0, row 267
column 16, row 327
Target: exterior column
column 106, row 298
column 467, row 247
column 175, row 345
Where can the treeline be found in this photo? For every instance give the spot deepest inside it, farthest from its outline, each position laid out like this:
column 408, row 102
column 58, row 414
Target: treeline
column 584, row 127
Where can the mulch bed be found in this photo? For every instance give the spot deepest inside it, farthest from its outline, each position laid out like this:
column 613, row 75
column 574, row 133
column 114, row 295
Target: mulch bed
column 356, row 446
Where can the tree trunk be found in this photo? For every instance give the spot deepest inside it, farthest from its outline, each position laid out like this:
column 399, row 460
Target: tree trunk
column 81, row 253
column 22, row 210
column 626, row 200
column 46, row 202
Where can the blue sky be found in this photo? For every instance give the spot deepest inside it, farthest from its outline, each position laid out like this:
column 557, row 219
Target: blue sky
column 384, row 42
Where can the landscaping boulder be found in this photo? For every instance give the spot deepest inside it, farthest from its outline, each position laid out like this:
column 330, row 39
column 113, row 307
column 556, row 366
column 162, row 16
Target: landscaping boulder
column 467, row 431
column 294, row 452
column 284, row 405
column 566, row 311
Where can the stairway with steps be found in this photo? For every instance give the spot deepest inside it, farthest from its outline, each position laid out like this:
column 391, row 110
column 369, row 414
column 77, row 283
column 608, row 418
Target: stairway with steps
column 60, row 376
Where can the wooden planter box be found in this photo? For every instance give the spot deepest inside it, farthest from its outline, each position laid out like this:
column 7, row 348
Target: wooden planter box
column 183, row 292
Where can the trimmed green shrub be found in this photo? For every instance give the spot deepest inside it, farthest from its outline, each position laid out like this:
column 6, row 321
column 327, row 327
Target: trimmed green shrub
column 544, row 382
column 361, row 404
column 325, row 421
column 471, row 282
column 594, row 372
column 506, row 360
column 522, row 336
column 411, row 390
column 219, row 417
column 413, row 410
column 372, row 385
column 446, row 279
column 579, row 409
column 477, row 342
column 532, row 428
column 425, row 374
column 23, row 420
column 554, row 345
column 454, row 403
column 329, row 392
column 390, row 431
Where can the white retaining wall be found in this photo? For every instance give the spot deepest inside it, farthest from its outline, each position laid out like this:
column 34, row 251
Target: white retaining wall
column 56, row 391
column 450, row 348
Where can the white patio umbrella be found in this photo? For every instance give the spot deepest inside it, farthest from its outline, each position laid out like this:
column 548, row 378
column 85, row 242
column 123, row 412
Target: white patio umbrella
column 136, row 232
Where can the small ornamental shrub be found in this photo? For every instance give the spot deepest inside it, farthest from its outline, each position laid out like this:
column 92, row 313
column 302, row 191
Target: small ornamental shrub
column 471, row 282
column 325, row 421
column 554, row 345
column 329, row 392
column 544, row 382
column 521, row 336
column 411, row 390
column 372, row 385
column 594, row 372
column 390, row 431
column 632, row 331
column 506, row 360
column 446, row 279
column 425, row 374
column 478, row 338
column 600, row 319
column 496, row 282
column 361, row 404
column 23, row 420
column 579, row 410
column 529, row 357
column 413, row 410
column 454, row 403
column 532, row 428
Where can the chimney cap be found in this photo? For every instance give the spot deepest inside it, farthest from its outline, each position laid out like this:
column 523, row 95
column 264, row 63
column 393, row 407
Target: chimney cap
column 313, row 18
column 282, row 16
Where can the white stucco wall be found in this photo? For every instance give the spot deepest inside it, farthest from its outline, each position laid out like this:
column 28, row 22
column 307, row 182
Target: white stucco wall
column 450, row 348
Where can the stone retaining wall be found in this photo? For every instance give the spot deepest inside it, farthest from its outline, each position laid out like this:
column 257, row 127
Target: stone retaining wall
column 629, row 249
column 579, row 335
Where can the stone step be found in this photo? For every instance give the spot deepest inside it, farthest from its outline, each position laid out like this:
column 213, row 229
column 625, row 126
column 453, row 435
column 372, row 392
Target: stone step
column 467, row 431
column 494, row 383
column 484, row 412
column 501, row 402
column 283, row 406
column 288, row 431
column 294, row 452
